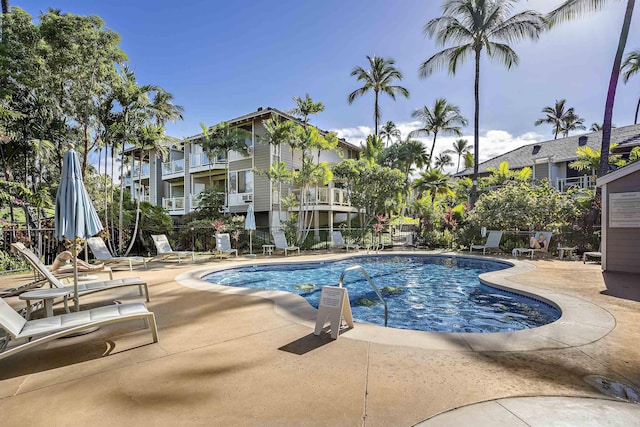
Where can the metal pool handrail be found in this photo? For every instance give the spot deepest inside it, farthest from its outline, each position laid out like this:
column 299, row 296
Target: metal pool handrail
column 375, row 288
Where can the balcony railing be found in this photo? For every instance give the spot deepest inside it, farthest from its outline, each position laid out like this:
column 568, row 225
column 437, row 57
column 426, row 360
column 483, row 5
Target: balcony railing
column 173, row 167
column 202, row 159
column 325, row 196
column 173, row 203
column 579, row 182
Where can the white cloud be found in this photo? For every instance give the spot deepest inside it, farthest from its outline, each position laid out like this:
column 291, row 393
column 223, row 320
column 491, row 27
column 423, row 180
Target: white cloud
column 492, row 142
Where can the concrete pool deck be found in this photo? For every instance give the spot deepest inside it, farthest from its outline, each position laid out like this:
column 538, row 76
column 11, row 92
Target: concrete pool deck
column 239, row 359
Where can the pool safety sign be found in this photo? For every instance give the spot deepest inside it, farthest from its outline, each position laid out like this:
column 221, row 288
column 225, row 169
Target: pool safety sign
column 334, row 305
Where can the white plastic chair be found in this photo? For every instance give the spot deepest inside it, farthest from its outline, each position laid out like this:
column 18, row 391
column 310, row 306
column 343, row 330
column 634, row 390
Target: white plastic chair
column 54, row 327
column 280, row 242
column 493, row 242
column 532, row 251
column 223, row 245
column 102, row 253
column 338, row 241
column 164, row 249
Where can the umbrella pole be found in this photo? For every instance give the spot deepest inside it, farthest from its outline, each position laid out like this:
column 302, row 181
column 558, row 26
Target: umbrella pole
column 74, row 253
column 250, row 242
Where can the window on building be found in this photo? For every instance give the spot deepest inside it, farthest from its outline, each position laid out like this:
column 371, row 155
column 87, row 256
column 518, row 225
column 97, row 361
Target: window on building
column 241, row 182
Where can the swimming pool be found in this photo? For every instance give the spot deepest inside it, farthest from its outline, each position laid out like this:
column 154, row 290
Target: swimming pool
column 423, row 292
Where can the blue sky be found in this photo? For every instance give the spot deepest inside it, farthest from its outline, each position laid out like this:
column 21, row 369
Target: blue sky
column 223, row 59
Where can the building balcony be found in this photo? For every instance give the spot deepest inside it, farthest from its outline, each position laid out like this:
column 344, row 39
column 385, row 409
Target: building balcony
column 173, row 169
column 325, row 196
column 578, row 182
column 201, row 161
column 175, row 205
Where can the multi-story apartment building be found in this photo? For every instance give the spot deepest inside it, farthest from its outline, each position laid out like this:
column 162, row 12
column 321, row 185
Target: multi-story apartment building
column 176, row 183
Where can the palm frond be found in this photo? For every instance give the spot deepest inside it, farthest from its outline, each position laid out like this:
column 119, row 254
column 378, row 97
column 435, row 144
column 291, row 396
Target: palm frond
column 572, row 9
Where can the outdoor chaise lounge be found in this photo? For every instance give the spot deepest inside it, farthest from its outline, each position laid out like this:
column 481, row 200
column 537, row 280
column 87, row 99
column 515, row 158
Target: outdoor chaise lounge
column 338, row 241
column 223, row 245
column 83, row 288
column 493, row 242
column 164, row 249
column 280, row 242
column 594, row 255
column 102, row 253
column 532, row 251
column 50, row 328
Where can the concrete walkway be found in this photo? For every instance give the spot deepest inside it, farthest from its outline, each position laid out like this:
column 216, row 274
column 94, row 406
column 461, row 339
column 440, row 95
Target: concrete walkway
column 241, row 359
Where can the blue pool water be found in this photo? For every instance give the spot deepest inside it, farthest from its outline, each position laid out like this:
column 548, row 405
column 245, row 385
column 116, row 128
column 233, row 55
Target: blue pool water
column 428, row 293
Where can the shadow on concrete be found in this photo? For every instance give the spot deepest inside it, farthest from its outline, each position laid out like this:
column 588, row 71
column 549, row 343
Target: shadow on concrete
column 307, row 343
column 622, row 285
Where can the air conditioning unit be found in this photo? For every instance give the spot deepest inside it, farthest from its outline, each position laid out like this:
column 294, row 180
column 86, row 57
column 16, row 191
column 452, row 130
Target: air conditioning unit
column 247, row 197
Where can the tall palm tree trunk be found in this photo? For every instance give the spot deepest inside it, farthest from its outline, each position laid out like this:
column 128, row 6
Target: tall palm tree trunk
column 375, row 113
column 433, row 147
column 476, row 130
column 611, row 94
column 5, row 6
column 635, row 121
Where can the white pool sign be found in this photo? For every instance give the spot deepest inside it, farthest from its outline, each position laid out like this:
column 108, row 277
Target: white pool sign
column 334, row 305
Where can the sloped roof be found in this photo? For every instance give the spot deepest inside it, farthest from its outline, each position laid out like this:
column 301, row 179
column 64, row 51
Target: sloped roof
column 559, row 150
column 266, row 112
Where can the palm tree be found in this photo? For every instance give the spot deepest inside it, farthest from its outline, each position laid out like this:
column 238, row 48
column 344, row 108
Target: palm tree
column 597, row 127
column 556, row 116
column 389, row 131
column 572, row 122
column 460, row 147
column 5, row 6
column 378, row 78
column 573, row 8
column 411, row 152
column 442, row 160
column 305, row 107
column 630, row 67
column 444, row 117
column 473, row 25
column 434, row 182
column 373, row 150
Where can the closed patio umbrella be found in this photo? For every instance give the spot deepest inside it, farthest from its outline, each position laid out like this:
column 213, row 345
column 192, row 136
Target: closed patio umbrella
column 250, row 224
column 75, row 216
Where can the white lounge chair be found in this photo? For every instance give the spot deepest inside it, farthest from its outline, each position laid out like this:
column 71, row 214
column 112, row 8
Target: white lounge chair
column 164, row 249
column 493, row 242
column 532, row 251
column 223, row 245
column 83, row 288
column 338, row 241
column 50, row 328
column 102, row 253
column 280, row 242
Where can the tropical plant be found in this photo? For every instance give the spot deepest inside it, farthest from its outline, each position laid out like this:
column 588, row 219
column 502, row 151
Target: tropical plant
column 571, row 9
column 443, row 118
column 520, row 204
column 378, row 78
column 473, row 26
column 389, row 132
column 411, row 153
column 502, row 174
column 589, row 159
column 571, row 123
column 556, row 116
column 630, row 67
column 373, row 150
column 372, row 188
column 460, row 148
column 433, row 182
column 442, row 161
column 306, row 107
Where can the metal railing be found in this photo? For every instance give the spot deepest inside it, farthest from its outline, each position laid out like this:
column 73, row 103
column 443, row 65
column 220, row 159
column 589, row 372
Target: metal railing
column 580, row 182
column 202, row 159
column 325, row 196
column 375, row 288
